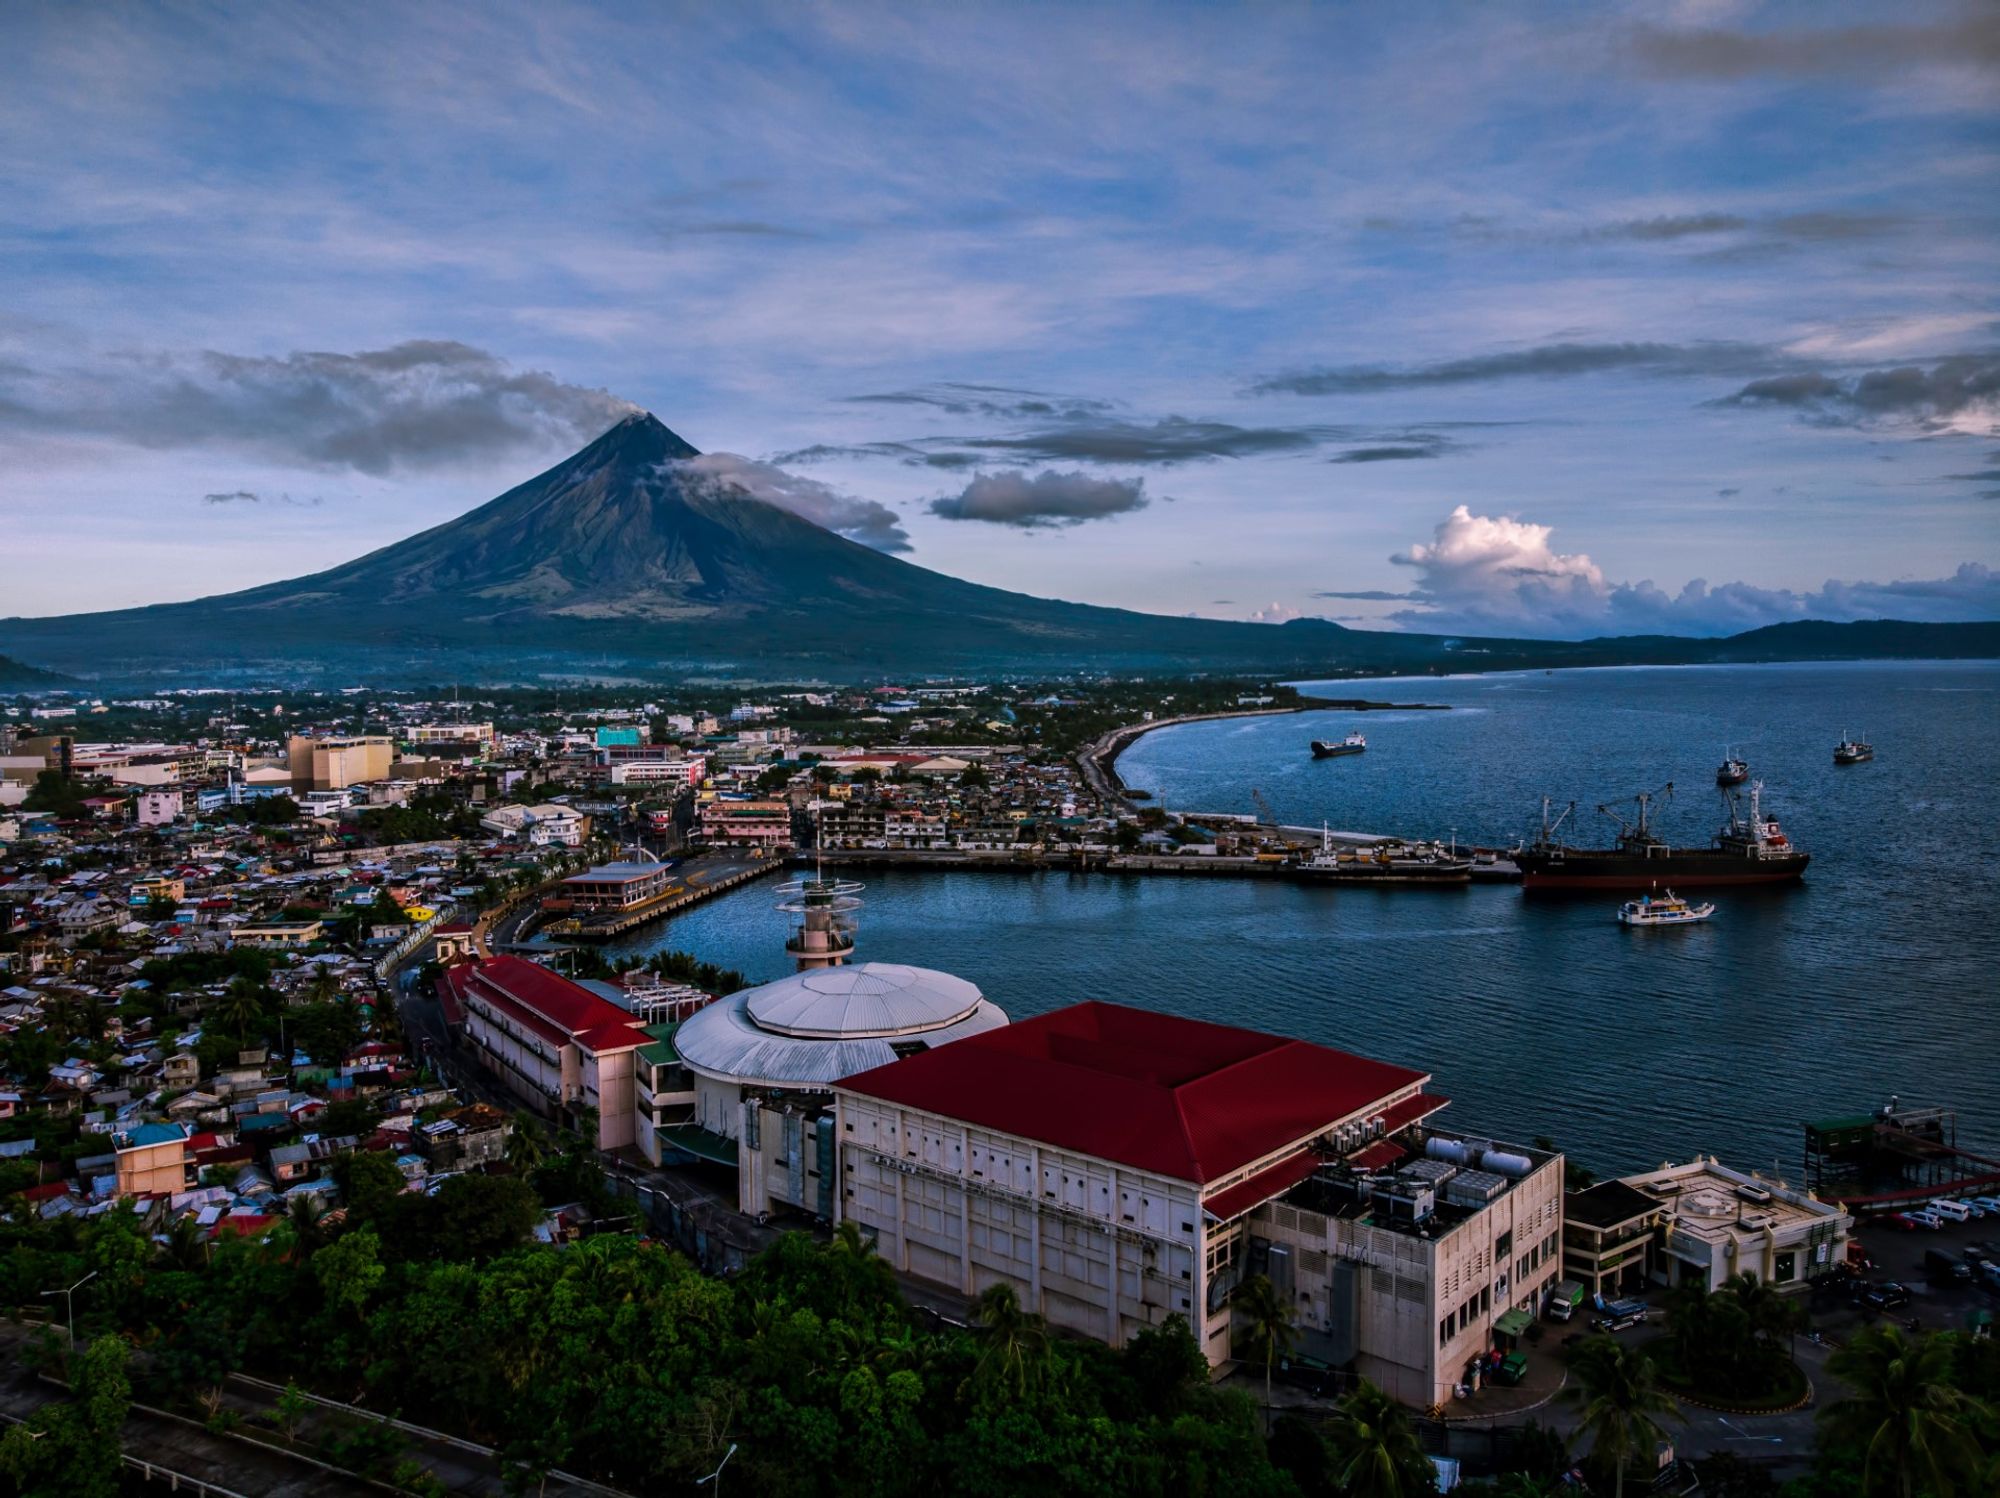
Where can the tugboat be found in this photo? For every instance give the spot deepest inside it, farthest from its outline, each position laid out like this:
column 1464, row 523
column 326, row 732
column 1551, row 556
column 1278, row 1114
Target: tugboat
column 1663, row 910
column 1732, row 770
column 1384, row 861
column 1327, row 749
column 1852, row 751
column 1749, row 849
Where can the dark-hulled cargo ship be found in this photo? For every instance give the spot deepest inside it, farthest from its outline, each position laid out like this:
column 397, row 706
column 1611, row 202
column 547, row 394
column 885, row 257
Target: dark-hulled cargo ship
column 1750, row 849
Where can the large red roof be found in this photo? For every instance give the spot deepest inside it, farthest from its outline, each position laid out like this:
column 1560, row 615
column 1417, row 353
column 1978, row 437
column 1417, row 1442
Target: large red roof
column 554, row 1007
column 1181, row 1097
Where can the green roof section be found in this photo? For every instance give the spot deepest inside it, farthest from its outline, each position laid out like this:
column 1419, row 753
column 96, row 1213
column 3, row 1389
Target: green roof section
column 661, row 1052
column 703, row 1144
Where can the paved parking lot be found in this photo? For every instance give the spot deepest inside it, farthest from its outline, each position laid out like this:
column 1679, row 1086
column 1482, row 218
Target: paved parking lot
column 1899, row 1256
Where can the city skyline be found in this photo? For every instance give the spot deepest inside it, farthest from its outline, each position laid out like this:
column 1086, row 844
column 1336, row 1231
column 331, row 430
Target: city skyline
column 1567, row 321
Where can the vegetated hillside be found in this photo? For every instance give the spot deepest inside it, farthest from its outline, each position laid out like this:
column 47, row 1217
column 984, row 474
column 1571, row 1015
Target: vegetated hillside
column 19, row 676
column 622, row 560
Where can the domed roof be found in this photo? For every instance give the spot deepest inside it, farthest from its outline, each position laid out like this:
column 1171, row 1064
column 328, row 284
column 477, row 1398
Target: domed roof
column 867, row 999
column 813, row 1028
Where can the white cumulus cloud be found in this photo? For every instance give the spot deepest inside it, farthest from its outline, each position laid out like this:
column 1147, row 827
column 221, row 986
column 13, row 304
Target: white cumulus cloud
column 865, row 520
column 1496, row 574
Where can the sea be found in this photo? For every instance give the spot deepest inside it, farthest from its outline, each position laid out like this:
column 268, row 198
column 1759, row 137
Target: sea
column 1537, row 1014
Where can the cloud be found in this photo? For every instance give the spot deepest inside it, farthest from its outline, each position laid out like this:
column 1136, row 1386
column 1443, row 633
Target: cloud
column 234, row 496
column 1972, row 41
column 420, row 404
column 1170, row 440
column 1548, row 361
column 1960, row 393
column 863, row 520
column 1368, row 595
column 1406, row 448
column 1274, row 613
column 1003, row 402
column 1011, row 497
column 1804, row 227
column 1499, row 575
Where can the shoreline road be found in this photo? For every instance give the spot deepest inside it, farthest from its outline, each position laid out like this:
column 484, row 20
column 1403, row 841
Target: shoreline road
column 1099, row 760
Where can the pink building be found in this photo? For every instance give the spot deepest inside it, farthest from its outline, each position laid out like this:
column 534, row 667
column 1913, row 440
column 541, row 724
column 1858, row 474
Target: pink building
column 158, row 808
column 748, row 824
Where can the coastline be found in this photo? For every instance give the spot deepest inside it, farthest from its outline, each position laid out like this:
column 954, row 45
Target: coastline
column 1099, row 761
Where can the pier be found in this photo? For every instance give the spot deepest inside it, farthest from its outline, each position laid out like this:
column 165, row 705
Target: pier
column 702, row 879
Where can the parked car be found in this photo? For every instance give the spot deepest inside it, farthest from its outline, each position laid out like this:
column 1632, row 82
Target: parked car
column 1904, row 1222
column 1990, row 1203
column 1946, row 1208
column 1942, row 1269
column 1925, row 1217
column 1886, row 1297
column 1970, row 1205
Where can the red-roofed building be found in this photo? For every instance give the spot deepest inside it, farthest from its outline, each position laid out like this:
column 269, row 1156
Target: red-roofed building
column 1118, row 1167
column 554, row 1044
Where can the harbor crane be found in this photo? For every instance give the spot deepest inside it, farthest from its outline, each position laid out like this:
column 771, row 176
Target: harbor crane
column 1265, row 816
column 1664, row 795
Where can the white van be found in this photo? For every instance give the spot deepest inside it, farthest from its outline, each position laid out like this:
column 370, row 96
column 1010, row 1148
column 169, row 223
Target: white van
column 1952, row 1210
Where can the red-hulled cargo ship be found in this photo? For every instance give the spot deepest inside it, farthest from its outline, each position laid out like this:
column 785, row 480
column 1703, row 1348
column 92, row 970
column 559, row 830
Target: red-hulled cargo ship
column 1750, row 849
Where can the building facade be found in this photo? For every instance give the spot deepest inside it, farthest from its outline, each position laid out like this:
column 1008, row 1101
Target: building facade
column 748, row 824
column 1117, row 1167
column 616, row 886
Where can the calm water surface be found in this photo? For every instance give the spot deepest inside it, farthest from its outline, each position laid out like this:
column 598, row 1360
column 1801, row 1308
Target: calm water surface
column 1539, row 1014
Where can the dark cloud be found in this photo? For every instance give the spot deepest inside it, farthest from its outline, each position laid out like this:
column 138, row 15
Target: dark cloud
column 1405, row 448
column 1972, row 40
column 864, row 520
column 234, row 496
column 1727, row 493
column 415, row 405
column 1171, row 439
column 1960, row 386
column 1368, row 595
column 1012, row 497
column 1001, row 402
column 1549, row 361
column 1775, row 232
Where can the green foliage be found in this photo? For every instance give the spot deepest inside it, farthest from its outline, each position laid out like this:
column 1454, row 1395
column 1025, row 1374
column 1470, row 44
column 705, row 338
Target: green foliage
column 55, row 793
column 1376, row 1453
column 71, row 1450
column 1620, row 1404
column 326, row 1032
column 1734, row 1342
column 1906, row 1425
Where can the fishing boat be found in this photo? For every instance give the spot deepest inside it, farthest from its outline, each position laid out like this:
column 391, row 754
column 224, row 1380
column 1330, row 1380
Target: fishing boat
column 1852, row 751
column 1732, row 771
column 1668, row 909
column 1385, row 860
column 1354, row 743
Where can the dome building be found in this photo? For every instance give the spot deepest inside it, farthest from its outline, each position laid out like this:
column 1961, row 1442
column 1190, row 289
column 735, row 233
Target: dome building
column 749, row 1079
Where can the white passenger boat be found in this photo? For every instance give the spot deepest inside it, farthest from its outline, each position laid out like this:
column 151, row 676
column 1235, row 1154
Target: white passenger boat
column 1662, row 910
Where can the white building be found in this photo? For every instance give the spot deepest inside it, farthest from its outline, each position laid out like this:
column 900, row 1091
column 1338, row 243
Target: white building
column 1118, row 1167
column 158, row 808
column 680, row 774
column 552, row 1043
column 757, row 1069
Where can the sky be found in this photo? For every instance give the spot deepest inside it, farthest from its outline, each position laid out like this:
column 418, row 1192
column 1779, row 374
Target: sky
column 1545, row 319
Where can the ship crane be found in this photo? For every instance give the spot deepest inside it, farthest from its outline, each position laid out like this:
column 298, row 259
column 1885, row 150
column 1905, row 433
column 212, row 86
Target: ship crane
column 1643, row 829
column 1550, row 829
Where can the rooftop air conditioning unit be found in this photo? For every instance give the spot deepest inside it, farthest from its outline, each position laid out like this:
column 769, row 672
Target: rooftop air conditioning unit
column 1474, row 1188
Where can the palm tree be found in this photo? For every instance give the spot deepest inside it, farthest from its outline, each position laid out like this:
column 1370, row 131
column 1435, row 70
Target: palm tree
column 1268, row 1328
column 186, row 1246
column 240, row 1008
column 1015, row 1344
column 324, row 988
column 524, row 1144
column 1621, row 1403
column 1915, row 1430
column 1376, row 1450
column 305, row 1217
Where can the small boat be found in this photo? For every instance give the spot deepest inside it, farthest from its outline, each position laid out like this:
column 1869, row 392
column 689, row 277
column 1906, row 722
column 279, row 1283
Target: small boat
column 1354, row 743
column 1732, row 771
column 1662, row 910
column 1852, row 751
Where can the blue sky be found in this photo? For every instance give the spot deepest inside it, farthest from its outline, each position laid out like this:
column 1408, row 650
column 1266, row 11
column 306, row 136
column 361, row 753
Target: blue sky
column 1561, row 319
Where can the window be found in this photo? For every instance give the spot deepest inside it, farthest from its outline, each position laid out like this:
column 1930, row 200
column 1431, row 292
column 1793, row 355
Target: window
column 1785, row 1268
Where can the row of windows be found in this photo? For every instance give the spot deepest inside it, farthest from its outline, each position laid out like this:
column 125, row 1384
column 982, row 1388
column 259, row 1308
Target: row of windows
column 1537, row 1256
column 1477, row 1305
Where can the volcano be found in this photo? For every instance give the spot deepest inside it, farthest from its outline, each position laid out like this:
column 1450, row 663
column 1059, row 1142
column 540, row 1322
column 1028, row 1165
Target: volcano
column 625, row 558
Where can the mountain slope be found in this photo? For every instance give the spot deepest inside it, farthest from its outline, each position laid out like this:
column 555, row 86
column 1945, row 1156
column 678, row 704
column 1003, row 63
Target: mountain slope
column 624, row 557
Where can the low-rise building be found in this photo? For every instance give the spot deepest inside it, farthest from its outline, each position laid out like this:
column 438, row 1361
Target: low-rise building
column 748, row 824
column 288, row 934
column 616, row 886
column 152, row 1159
column 679, row 774
column 554, row 1044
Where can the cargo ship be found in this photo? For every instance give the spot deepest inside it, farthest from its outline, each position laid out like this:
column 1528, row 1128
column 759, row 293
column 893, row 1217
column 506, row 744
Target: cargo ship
column 1750, row 849
column 1354, row 743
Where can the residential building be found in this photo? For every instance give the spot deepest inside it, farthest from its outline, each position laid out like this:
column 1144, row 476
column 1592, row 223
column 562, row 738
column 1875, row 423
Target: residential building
column 158, row 808
column 554, row 1044
column 548, row 825
column 152, row 1159
column 288, row 934
column 1117, row 1167
column 450, row 733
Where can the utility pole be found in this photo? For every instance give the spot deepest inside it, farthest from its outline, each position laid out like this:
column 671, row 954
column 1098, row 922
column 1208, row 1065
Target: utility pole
column 716, row 1476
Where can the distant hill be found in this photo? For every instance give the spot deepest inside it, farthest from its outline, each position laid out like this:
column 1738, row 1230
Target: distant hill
column 618, row 561
column 17, row 676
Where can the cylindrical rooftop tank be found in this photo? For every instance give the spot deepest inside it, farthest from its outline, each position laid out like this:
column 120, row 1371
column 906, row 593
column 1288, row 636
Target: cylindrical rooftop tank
column 1502, row 1163
column 1447, row 1149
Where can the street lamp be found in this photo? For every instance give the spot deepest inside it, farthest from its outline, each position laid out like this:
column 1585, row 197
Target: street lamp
column 69, row 1299
column 716, row 1476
